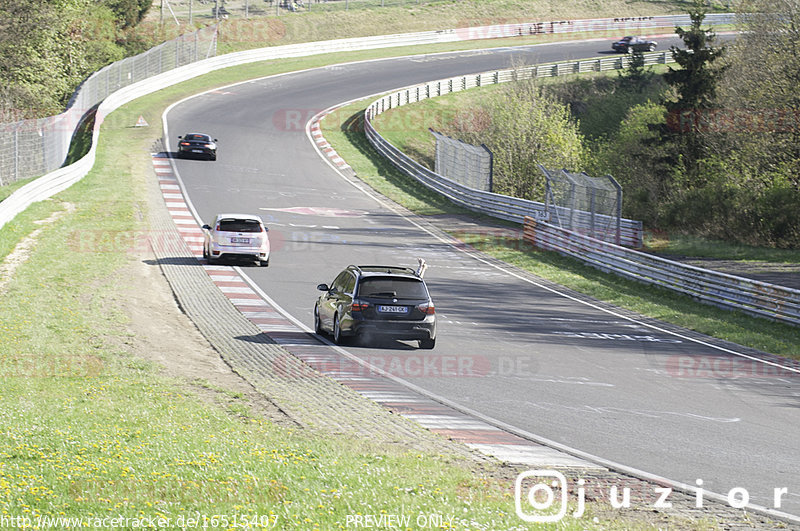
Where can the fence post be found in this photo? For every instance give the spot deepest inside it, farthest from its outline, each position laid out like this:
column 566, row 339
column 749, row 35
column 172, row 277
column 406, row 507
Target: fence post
column 16, row 153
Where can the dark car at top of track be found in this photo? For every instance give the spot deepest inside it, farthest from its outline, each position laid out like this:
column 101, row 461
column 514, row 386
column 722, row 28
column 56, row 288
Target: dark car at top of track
column 632, row 44
column 197, row 144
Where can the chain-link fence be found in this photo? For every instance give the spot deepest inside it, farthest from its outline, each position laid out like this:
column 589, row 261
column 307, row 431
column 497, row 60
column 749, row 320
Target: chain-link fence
column 463, row 163
column 581, row 203
column 30, row 148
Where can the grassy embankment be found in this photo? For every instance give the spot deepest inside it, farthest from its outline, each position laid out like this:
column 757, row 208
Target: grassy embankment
column 407, row 128
column 90, row 430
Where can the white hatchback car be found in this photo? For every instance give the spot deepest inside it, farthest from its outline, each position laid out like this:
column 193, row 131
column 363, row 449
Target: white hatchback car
column 236, row 236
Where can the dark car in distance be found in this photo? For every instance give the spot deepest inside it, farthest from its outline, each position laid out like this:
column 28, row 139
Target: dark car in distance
column 197, row 145
column 632, row 44
column 372, row 301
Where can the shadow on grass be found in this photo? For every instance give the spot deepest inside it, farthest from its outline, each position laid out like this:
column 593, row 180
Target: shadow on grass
column 82, row 137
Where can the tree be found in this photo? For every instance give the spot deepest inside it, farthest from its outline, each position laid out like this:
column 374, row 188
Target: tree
column 129, row 12
column 761, row 89
column 696, row 80
column 48, row 48
column 636, row 76
column 695, row 84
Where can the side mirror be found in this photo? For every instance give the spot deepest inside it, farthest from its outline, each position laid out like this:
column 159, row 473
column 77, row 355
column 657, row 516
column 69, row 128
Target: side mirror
column 180, row 136
column 323, row 287
column 206, row 227
column 266, row 229
column 215, row 140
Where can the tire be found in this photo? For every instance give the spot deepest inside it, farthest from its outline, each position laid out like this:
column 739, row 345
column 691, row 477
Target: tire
column 629, row 50
column 427, row 344
column 337, row 331
column 264, row 263
column 317, row 322
column 652, row 48
column 213, row 157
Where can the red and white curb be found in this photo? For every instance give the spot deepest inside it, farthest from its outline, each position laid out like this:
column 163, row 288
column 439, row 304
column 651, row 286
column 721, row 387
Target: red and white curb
column 323, row 145
column 324, row 358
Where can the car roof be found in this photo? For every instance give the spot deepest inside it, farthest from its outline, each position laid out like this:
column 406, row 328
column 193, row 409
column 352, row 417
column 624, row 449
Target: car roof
column 239, row 216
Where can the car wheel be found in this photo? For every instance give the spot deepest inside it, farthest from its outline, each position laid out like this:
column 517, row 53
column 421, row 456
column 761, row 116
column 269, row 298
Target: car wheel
column 629, row 49
column 213, row 157
column 427, row 344
column 317, row 322
column 337, row 330
column 264, row 263
column 652, row 47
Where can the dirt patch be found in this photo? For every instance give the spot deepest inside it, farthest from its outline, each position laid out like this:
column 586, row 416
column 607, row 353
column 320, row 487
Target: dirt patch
column 23, row 249
column 161, row 333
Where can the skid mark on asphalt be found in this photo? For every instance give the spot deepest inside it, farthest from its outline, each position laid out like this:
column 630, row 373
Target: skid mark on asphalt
column 321, row 358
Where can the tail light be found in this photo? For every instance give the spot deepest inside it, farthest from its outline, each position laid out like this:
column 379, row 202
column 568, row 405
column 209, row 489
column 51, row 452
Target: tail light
column 427, row 308
column 358, row 306
column 185, row 144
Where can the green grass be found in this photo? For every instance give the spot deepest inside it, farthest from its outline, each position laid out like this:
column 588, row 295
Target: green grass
column 9, row 189
column 406, row 127
column 105, row 436
column 87, row 429
column 687, row 245
column 757, row 333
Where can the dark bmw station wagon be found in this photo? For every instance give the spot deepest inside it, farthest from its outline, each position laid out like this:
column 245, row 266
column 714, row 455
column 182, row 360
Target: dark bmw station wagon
column 386, row 301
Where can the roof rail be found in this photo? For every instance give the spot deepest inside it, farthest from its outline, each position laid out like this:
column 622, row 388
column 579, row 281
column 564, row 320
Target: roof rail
column 385, row 268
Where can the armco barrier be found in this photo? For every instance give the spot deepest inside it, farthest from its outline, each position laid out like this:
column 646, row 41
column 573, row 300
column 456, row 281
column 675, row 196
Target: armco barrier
column 727, row 291
column 60, row 179
column 500, row 206
column 33, row 147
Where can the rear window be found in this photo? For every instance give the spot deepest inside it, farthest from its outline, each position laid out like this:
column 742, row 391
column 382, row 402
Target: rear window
column 239, row 225
column 387, row 287
column 203, row 138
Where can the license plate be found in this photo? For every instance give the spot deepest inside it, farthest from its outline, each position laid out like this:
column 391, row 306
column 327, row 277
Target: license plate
column 240, row 240
column 393, row 309
column 197, row 151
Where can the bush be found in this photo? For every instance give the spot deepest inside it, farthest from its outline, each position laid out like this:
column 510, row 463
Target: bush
column 524, row 127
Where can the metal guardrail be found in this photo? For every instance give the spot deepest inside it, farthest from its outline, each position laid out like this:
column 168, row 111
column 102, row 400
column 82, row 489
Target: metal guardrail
column 34, row 147
column 727, row 291
column 51, row 150
column 497, row 205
